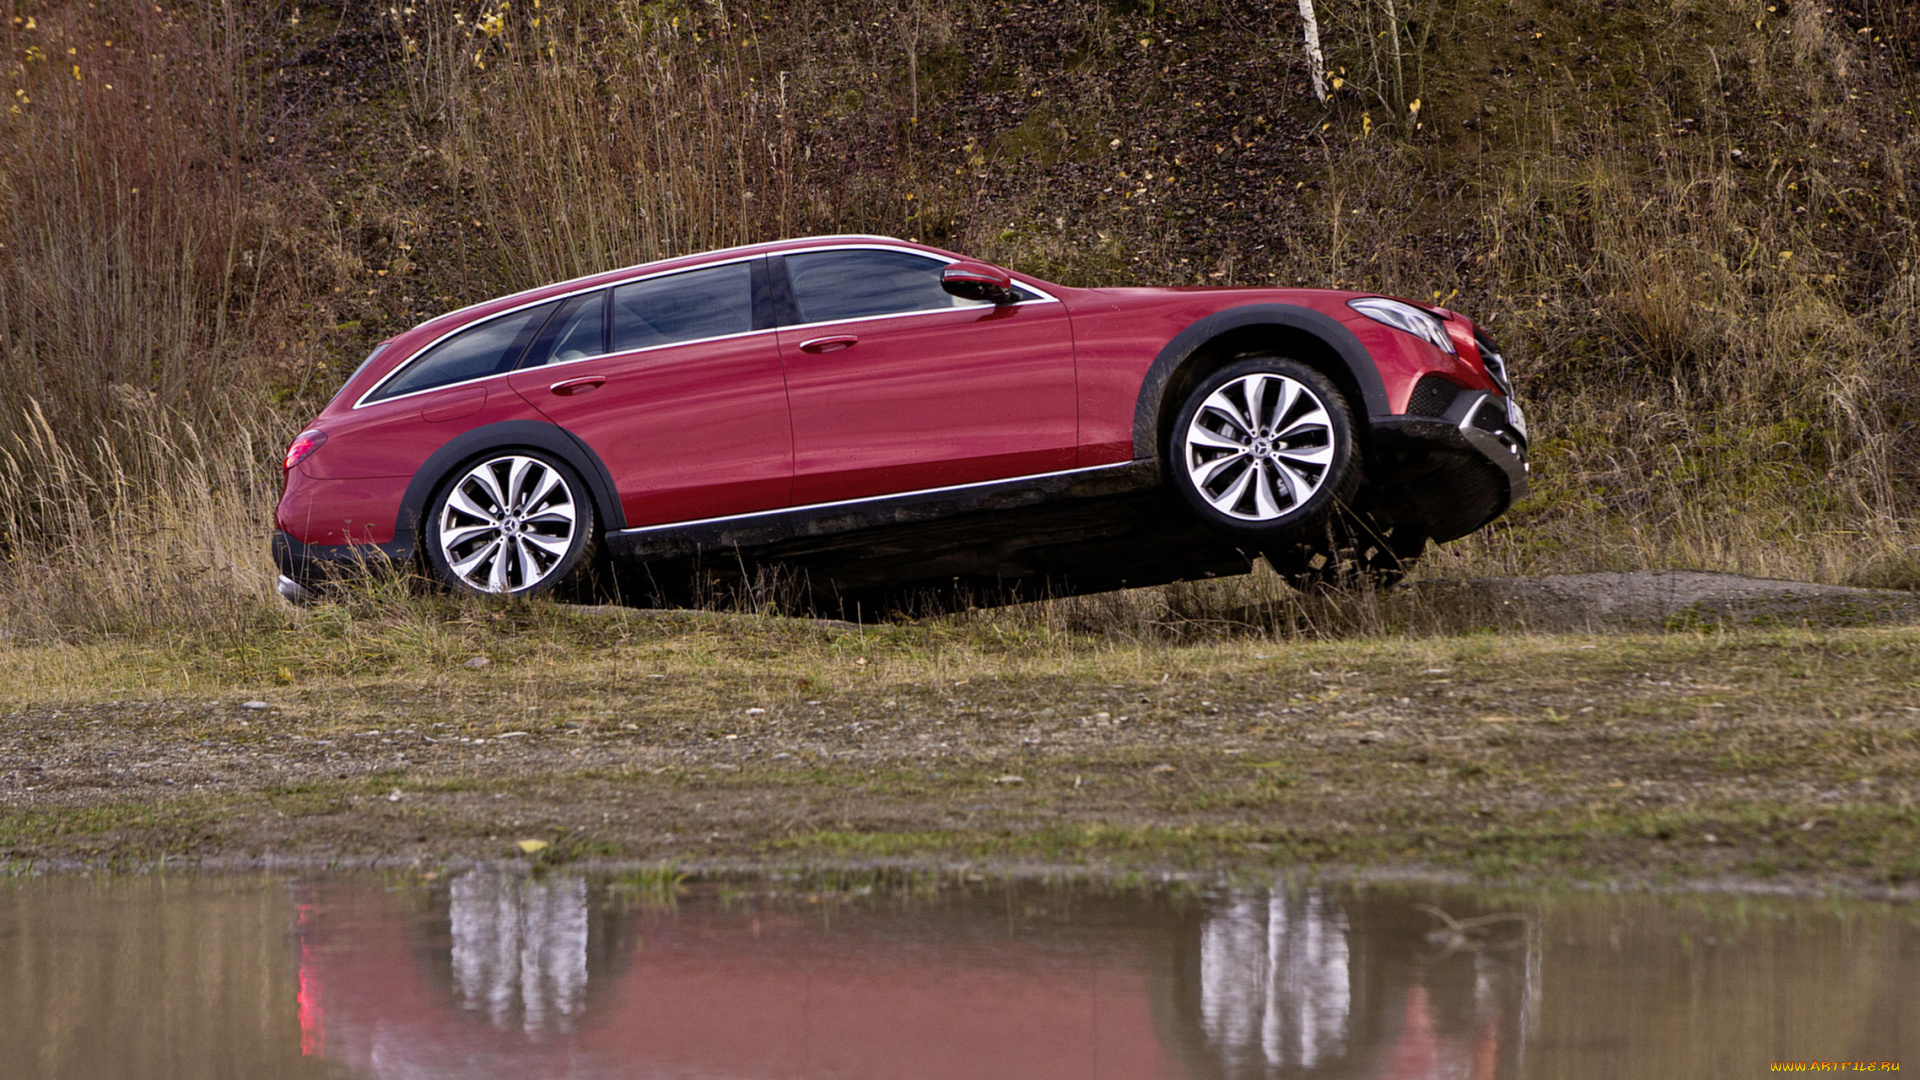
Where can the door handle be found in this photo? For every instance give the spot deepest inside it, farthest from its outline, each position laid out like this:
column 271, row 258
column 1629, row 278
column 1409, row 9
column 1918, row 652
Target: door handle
column 828, row 344
column 580, row 385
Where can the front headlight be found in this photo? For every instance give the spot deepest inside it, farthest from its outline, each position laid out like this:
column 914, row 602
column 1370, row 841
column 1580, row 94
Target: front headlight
column 1402, row 316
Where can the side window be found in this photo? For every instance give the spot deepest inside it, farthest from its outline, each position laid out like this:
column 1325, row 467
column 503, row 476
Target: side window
column 851, row 284
column 683, row 307
column 576, row 331
column 491, row 348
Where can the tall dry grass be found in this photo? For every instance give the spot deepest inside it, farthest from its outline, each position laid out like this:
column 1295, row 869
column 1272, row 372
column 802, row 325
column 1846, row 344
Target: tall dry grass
column 152, row 525
column 583, row 137
column 661, row 144
column 136, row 239
column 1718, row 314
column 137, row 275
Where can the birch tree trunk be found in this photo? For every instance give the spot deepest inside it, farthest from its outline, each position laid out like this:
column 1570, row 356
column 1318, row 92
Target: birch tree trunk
column 1316, row 62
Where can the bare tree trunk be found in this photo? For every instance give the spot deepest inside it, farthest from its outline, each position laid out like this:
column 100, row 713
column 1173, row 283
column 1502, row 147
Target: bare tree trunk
column 1399, row 103
column 1315, row 61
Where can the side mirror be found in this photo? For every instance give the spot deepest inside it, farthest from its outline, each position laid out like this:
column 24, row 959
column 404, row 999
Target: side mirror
column 978, row 281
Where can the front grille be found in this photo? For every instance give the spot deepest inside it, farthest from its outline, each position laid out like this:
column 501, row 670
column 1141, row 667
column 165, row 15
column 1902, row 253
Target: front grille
column 1431, row 396
column 1496, row 363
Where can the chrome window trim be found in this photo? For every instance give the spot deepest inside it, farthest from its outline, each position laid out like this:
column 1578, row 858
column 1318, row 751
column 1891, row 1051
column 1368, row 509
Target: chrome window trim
column 557, row 297
column 734, row 250
column 873, row 498
column 877, row 244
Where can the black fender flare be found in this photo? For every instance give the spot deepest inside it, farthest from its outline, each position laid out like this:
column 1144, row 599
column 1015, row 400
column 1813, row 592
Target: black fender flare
column 1327, row 329
column 532, row 434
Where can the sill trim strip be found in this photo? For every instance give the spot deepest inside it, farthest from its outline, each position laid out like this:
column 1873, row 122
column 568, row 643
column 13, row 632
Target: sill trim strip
column 1011, row 480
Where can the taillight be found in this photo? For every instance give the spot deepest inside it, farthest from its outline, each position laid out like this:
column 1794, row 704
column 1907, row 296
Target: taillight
column 304, row 444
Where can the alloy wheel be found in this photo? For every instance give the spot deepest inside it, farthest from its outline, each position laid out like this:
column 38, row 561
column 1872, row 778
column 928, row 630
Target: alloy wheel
column 1259, row 447
column 507, row 524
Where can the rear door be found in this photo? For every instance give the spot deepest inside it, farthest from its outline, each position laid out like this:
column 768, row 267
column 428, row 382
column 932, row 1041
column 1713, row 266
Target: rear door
column 675, row 381
column 897, row 386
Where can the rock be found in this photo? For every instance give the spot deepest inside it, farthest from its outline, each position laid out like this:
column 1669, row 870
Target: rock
column 255, row 705
column 478, row 662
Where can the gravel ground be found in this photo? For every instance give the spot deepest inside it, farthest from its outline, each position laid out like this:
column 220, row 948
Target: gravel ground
column 1662, row 599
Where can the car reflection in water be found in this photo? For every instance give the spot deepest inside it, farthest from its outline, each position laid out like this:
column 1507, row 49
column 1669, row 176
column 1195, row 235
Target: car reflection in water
column 502, row 975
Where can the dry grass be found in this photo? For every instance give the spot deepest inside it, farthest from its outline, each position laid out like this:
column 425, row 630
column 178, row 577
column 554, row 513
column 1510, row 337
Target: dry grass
column 669, row 130
column 145, row 268
column 1723, row 323
column 138, row 244
column 662, row 147
column 154, row 526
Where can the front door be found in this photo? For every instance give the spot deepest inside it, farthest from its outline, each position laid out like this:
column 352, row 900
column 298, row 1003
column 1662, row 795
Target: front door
column 897, row 386
column 670, row 382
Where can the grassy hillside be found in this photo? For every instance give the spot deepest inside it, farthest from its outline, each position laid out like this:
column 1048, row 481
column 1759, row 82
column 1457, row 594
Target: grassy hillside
column 1690, row 223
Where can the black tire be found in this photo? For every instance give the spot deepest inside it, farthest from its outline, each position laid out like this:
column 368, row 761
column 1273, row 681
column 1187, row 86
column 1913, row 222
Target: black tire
column 1291, row 497
column 531, row 553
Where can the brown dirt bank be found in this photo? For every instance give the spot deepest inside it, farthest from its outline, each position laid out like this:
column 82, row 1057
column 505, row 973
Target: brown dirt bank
column 1722, row 750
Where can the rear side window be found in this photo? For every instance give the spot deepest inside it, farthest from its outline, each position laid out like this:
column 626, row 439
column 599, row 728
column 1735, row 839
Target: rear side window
column 853, row 284
column 683, row 307
column 576, row 331
column 371, row 357
column 492, row 348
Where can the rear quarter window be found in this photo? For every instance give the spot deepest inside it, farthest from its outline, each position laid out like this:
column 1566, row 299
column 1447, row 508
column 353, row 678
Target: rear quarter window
column 364, row 365
column 491, row 348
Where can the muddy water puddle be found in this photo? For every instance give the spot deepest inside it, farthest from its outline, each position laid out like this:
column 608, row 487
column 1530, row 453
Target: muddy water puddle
column 497, row 974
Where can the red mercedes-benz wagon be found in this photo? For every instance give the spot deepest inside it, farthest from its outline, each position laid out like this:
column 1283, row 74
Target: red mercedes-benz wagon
column 884, row 416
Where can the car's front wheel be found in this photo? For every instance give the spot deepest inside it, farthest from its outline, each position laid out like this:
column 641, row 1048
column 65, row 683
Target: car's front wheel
column 513, row 522
column 1264, row 450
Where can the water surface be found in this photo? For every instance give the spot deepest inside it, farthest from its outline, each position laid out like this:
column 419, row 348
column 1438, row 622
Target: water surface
column 498, row 974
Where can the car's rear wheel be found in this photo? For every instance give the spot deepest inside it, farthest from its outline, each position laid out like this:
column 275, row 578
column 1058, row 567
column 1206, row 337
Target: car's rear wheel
column 511, row 523
column 1264, row 450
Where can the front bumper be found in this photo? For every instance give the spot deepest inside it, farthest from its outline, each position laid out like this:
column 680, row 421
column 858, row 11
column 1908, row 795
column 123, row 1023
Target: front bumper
column 1496, row 428
column 295, row 593
column 306, row 568
column 1449, row 474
